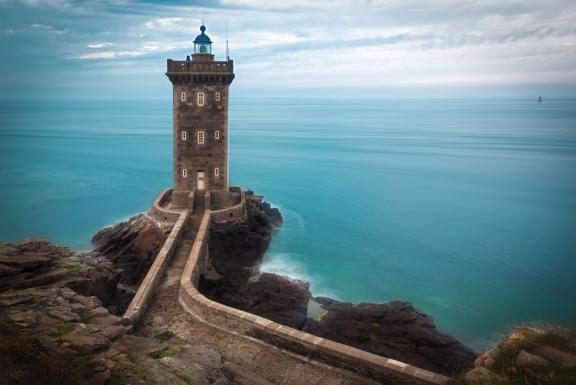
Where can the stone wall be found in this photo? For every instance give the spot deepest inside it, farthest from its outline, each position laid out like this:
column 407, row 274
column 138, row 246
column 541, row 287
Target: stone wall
column 162, row 214
column 236, row 212
column 146, row 289
column 294, row 341
column 194, row 115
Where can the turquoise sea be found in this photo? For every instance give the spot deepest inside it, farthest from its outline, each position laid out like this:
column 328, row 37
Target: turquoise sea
column 466, row 207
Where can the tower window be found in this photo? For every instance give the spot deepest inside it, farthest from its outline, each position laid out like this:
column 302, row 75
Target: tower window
column 200, row 137
column 183, row 96
column 217, row 96
column 217, row 135
column 184, row 173
column 216, row 171
column 184, row 135
column 200, row 99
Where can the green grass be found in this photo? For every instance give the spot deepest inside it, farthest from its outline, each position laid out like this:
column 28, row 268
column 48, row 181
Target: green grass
column 186, row 378
column 73, row 266
column 172, row 351
column 164, row 336
column 61, row 329
column 117, row 377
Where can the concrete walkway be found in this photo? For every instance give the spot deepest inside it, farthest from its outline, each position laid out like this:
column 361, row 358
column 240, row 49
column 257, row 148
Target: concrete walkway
column 246, row 362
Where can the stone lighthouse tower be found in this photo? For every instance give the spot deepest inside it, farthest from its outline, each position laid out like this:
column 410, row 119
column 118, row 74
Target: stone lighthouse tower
column 200, row 118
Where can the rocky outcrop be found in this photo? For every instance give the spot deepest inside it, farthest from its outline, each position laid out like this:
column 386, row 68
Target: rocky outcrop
column 55, row 329
column 396, row 330
column 236, row 252
column 529, row 355
column 131, row 247
column 35, row 262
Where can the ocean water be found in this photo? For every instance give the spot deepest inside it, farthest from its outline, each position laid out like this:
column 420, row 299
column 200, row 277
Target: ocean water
column 465, row 207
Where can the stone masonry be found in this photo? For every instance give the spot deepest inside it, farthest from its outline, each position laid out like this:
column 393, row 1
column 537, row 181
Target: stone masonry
column 200, row 120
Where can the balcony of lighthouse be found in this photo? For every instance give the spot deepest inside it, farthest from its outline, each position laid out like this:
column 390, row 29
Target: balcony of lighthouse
column 211, row 67
column 225, row 205
column 191, row 72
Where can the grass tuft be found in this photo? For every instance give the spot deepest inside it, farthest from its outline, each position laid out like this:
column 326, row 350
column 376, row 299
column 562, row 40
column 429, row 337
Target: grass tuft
column 171, row 352
column 117, row 377
column 164, row 336
column 61, row 329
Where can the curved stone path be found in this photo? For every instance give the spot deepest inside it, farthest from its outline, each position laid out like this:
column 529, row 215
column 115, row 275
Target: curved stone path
column 245, row 361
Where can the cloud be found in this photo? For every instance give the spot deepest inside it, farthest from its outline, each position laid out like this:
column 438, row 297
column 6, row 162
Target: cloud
column 45, row 3
column 49, row 29
column 164, row 22
column 283, row 44
column 100, row 45
column 145, row 48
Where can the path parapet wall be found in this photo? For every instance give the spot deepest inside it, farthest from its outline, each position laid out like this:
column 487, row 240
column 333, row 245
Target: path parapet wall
column 161, row 213
column 143, row 296
column 236, row 212
column 221, row 199
column 310, row 347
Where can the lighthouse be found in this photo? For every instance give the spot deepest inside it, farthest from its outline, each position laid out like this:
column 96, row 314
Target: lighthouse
column 200, row 93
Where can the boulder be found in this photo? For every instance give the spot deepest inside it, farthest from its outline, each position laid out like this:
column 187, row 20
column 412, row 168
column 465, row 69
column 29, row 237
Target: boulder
column 396, row 330
column 131, row 246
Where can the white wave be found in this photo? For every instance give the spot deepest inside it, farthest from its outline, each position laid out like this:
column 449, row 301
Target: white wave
column 276, row 205
column 286, row 212
column 121, row 219
column 288, row 265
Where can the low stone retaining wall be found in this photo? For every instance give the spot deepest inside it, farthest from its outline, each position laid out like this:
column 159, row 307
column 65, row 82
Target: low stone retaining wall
column 163, row 214
column 294, row 341
column 146, row 289
column 235, row 212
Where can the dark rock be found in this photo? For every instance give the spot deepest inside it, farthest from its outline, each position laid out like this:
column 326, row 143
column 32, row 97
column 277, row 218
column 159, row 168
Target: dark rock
column 131, row 246
column 86, row 343
column 88, row 303
column 236, row 252
column 35, row 262
column 6, row 270
column 396, row 330
column 15, row 298
column 43, row 279
column 28, row 261
column 113, row 332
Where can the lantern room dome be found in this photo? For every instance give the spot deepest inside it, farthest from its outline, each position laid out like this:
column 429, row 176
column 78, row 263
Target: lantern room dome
column 202, row 38
column 202, row 44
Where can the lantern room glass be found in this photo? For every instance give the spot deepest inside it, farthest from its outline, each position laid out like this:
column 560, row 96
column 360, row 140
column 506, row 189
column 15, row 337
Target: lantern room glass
column 203, row 48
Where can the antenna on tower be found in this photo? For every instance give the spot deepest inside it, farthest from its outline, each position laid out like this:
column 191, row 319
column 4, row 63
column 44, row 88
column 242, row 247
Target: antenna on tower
column 227, row 48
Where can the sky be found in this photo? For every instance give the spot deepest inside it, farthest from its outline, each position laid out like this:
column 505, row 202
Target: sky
column 118, row 48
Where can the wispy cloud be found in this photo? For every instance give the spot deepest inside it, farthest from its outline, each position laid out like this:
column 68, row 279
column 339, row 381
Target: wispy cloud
column 100, row 45
column 49, row 29
column 297, row 43
column 45, row 3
